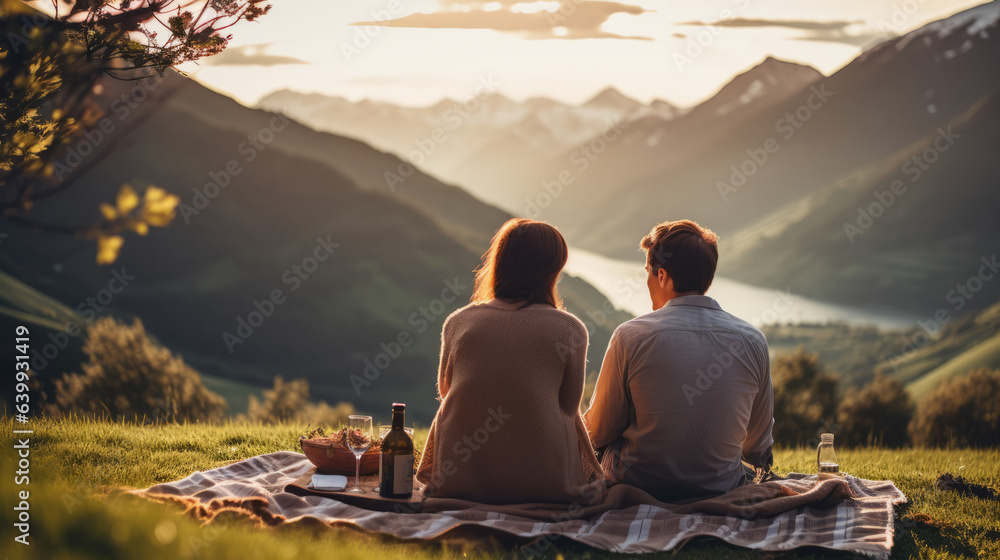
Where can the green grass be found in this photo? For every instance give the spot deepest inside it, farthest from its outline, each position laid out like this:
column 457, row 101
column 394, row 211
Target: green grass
column 75, row 513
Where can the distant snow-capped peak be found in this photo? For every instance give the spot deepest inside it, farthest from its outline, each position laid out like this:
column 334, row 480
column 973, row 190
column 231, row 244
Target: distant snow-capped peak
column 976, row 21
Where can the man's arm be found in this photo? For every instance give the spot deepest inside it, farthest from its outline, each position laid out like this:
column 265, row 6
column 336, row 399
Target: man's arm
column 757, row 445
column 607, row 416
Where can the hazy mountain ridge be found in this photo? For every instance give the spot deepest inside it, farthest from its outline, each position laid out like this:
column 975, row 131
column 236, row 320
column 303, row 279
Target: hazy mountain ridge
column 649, row 148
column 482, row 138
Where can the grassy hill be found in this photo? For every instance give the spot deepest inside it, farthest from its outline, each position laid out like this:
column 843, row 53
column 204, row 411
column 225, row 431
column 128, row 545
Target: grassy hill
column 78, row 465
column 919, row 361
column 984, row 354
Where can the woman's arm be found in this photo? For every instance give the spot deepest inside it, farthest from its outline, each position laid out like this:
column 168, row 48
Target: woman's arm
column 445, row 363
column 575, row 375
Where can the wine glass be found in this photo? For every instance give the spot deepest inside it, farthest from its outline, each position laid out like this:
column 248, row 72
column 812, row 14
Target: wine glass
column 359, row 439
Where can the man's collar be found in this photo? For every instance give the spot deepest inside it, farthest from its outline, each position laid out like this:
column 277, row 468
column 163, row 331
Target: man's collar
column 696, row 301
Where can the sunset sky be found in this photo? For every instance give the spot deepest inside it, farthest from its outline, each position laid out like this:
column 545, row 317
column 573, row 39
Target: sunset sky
column 647, row 49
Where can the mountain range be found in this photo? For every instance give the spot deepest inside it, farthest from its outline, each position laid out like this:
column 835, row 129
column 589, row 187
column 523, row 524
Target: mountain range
column 472, row 143
column 785, row 163
column 290, row 254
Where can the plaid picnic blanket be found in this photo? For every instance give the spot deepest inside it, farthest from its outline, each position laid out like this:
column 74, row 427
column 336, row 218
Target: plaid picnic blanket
column 775, row 516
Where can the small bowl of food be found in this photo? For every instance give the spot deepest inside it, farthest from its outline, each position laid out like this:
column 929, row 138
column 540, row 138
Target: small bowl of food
column 331, row 456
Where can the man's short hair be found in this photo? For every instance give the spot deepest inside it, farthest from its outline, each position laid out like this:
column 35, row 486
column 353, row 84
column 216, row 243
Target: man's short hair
column 688, row 252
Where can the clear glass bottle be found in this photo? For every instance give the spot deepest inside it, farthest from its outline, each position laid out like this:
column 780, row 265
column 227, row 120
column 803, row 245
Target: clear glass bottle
column 826, row 458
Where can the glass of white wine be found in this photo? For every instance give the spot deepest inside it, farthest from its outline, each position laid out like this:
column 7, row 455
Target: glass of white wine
column 359, row 439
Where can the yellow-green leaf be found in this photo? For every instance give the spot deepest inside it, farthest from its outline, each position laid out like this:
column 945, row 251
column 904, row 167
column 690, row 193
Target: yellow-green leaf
column 108, row 211
column 127, row 199
column 108, row 247
column 159, row 206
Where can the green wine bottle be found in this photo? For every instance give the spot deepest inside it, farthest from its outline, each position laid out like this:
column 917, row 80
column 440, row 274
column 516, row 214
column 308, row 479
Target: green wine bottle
column 396, row 465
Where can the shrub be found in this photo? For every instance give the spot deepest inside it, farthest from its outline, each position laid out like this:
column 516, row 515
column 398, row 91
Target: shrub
column 130, row 377
column 878, row 414
column 963, row 411
column 805, row 397
column 288, row 401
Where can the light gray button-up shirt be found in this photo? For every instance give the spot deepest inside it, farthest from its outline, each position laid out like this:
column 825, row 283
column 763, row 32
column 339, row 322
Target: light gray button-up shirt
column 684, row 393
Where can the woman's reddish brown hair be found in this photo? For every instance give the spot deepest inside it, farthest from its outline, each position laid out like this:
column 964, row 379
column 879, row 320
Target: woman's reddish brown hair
column 523, row 263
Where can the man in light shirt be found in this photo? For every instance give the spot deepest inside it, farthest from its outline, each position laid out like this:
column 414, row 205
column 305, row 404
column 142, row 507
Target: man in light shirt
column 684, row 394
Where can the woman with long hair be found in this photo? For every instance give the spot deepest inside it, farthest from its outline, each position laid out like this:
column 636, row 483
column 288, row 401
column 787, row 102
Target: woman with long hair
column 511, row 376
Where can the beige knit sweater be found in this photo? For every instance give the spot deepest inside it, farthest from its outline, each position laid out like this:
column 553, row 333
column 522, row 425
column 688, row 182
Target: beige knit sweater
column 508, row 429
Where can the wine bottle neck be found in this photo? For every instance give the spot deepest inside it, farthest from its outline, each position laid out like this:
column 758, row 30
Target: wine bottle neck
column 397, row 420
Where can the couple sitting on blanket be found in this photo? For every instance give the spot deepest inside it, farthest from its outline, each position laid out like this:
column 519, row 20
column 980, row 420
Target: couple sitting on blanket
column 682, row 399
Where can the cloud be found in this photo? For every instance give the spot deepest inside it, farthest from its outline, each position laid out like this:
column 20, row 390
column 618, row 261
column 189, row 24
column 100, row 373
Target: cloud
column 250, row 55
column 794, row 24
column 826, row 31
column 565, row 19
column 864, row 39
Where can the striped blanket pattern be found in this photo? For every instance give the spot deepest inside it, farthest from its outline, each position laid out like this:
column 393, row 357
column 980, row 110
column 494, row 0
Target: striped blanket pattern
column 255, row 487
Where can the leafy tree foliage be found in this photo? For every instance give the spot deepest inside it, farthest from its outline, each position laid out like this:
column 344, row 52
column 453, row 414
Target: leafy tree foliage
column 288, row 401
column 877, row 414
column 130, row 377
column 962, row 411
column 50, row 66
column 805, row 398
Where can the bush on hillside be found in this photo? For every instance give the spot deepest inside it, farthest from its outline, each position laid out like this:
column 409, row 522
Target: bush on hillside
column 129, row 377
column 877, row 414
column 805, row 398
column 963, row 411
column 288, row 401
